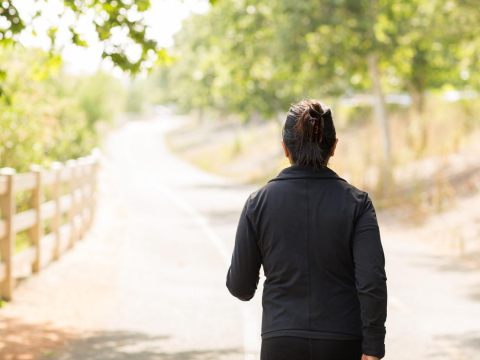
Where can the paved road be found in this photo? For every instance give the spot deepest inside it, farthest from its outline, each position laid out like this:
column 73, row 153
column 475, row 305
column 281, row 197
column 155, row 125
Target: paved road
column 149, row 282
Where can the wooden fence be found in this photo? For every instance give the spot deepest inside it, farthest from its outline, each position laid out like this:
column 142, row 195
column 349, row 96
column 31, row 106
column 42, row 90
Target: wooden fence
column 52, row 226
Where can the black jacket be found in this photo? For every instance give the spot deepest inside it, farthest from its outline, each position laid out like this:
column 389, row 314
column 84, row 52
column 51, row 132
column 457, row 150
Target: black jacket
column 318, row 240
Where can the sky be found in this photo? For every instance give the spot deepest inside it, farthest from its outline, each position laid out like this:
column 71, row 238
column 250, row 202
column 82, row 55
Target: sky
column 163, row 19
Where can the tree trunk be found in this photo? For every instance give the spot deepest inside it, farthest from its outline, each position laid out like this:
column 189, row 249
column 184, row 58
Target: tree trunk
column 417, row 80
column 418, row 98
column 200, row 116
column 382, row 117
column 379, row 104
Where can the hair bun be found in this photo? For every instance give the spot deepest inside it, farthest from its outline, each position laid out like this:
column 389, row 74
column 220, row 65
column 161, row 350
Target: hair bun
column 313, row 122
column 309, row 122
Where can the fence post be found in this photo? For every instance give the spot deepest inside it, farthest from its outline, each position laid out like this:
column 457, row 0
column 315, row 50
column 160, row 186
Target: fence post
column 85, row 199
column 77, row 217
column 57, row 218
column 71, row 212
column 7, row 244
column 96, row 153
column 81, row 191
column 36, row 231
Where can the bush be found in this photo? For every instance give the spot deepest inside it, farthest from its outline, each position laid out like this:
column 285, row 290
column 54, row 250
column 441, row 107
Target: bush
column 46, row 115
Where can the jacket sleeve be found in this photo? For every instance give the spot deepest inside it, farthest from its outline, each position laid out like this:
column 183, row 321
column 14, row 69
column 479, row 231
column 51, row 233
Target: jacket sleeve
column 243, row 275
column 371, row 280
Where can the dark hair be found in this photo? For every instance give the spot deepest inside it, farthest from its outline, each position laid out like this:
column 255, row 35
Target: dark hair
column 309, row 133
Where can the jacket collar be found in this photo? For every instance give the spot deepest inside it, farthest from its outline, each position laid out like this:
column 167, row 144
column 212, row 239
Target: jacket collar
column 306, row 172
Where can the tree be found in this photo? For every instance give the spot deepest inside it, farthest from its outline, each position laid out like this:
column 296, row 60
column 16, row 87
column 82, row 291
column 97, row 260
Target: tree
column 246, row 56
column 109, row 17
column 438, row 47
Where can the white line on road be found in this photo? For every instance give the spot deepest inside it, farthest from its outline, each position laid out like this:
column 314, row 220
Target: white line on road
column 249, row 324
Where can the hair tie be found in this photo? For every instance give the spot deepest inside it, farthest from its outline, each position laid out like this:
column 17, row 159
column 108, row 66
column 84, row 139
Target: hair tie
column 316, row 132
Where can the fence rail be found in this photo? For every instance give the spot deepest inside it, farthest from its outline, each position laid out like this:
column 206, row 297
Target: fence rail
column 70, row 210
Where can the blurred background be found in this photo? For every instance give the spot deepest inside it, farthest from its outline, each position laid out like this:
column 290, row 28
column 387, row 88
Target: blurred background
column 186, row 100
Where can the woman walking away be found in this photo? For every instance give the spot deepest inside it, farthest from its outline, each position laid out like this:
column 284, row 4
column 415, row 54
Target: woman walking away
column 317, row 237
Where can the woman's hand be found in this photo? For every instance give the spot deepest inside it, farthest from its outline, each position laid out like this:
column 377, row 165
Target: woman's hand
column 366, row 357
